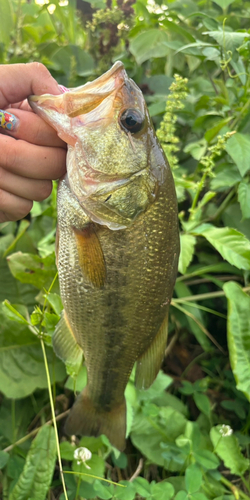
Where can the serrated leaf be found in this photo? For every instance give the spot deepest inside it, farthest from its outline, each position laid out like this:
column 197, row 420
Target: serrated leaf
column 187, row 242
column 151, row 43
column 35, row 479
column 238, row 328
column 193, row 478
column 238, row 147
column 244, row 199
column 227, row 448
column 231, row 244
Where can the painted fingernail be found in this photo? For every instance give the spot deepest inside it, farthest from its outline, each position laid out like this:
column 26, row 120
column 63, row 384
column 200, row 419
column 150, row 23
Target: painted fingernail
column 7, row 120
column 63, row 89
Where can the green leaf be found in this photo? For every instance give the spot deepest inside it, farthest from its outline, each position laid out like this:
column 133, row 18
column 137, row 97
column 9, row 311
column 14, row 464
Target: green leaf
column 238, row 147
column 206, row 459
column 238, row 328
column 32, row 269
column 6, row 21
column 223, row 3
column 151, row 43
column 229, row 40
column 21, row 360
column 195, row 321
column 67, row 450
column 202, row 402
column 227, row 176
column 181, row 495
column 4, row 457
column 97, row 467
column 35, row 479
column 102, row 491
column 142, row 487
column 193, row 478
column 187, row 251
column 14, row 315
column 244, row 199
column 127, row 493
column 231, row 244
column 227, row 448
column 162, row 491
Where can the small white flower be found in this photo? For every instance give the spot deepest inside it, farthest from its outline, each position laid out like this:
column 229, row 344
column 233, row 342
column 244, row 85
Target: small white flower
column 82, row 455
column 226, row 430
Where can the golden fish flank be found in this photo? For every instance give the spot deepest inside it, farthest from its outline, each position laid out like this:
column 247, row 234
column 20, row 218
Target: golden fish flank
column 117, row 245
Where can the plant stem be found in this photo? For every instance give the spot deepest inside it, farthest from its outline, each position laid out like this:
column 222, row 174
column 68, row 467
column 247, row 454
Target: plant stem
column 54, row 418
column 233, row 488
column 35, row 431
column 197, row 194
column 222, row 206
column 204, row 296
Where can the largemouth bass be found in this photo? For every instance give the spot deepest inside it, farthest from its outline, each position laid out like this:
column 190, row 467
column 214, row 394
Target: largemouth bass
column 117, row 245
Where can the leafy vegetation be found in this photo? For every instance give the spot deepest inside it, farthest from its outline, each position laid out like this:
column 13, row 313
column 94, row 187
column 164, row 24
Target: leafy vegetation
column 188, row 434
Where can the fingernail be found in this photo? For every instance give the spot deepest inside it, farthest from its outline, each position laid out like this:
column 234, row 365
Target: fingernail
column 7, row 120
column 63, row 89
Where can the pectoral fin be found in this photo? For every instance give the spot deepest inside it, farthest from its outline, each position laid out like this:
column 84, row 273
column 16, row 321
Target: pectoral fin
column 66, row 347
column 150, row 362
column 90, row 255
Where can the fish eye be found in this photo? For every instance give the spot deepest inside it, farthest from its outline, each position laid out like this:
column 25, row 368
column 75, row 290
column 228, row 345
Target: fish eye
column 132, row 120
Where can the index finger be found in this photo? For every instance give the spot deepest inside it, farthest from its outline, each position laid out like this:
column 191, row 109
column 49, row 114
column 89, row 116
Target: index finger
column 18, row 81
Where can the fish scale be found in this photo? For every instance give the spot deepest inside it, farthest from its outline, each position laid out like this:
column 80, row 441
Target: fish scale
column 117, row 246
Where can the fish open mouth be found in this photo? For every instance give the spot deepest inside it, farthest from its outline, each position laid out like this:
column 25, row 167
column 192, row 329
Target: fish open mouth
column 81, row 100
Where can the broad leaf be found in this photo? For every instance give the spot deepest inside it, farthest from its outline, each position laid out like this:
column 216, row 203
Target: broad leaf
column 227, row 448
column 39, row 466
column 238, row 147
column 244, row 199
column 231, row 244
column 6, row 20
column 238, row 334
column 223, row 3
column 162, row 491
column 21, row 360
column 229, row 40
column 151, row 43
column 193, row 478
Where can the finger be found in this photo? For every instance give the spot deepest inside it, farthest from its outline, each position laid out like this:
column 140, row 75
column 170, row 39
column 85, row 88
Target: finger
column 18, row 81
column 31, row 161
column 30, row 189
column 29, row 127
column 13, row 207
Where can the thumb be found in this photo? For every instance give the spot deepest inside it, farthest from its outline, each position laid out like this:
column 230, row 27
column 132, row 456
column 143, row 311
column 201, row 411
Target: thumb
column 18, row 81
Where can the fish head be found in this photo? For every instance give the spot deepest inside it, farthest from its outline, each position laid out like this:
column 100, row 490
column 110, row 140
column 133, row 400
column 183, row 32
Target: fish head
column 113, row 154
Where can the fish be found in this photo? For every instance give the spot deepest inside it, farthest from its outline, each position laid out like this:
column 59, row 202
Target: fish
column 117, row 246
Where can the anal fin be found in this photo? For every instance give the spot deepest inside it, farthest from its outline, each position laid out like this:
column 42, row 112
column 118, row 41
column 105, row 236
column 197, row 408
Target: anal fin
column 150, row 362
column 66, row 347
column 90, row 255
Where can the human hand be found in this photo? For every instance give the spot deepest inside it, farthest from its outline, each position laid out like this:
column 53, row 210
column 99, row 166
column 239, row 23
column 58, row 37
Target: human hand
column 31, row 152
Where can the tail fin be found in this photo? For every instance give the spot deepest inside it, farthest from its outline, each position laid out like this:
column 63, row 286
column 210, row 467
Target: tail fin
column 85, row 420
